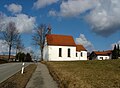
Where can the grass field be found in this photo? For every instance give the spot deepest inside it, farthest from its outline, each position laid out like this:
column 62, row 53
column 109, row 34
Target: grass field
column 86, row 74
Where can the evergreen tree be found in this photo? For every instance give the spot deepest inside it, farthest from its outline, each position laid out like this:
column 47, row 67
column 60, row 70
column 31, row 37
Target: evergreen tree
column 118, row 48
column 115, row 53
column 28, row 57
column 20, row 56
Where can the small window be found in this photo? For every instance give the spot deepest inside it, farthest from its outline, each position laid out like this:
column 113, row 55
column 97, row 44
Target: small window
column 101, row 58
column 68, row 52
column 60, row 52
column 76, row 55
column 81, row 54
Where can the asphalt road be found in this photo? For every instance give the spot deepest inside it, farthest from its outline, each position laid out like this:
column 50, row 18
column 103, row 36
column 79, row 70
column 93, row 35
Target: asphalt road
column 9, row 69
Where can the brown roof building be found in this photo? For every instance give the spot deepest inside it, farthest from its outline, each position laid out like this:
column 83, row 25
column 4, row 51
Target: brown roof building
column 108, row 52
column 60, row 40
column 62, row 48
column 101, row 55
column 80, row 48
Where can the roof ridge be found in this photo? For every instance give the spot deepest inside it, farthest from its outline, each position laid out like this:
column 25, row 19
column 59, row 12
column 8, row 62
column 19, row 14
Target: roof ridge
column 78, row 44
column 60, row 35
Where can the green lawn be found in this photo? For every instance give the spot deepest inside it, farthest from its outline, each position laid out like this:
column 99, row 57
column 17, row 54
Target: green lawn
column 86, row 74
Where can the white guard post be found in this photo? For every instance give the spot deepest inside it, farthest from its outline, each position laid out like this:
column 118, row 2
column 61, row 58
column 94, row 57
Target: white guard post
column 22, row 71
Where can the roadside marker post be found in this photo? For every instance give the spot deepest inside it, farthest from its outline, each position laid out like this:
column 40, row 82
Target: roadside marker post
column 22, row 71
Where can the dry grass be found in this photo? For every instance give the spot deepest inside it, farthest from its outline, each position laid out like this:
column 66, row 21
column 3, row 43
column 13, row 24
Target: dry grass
column 19, row 80
column 86, row 74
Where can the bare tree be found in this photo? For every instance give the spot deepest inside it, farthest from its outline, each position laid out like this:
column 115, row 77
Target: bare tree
column 19, row 45
column 39, row 37
column 10, row 36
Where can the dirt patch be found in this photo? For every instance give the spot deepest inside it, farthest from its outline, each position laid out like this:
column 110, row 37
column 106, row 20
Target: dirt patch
column 19, row 80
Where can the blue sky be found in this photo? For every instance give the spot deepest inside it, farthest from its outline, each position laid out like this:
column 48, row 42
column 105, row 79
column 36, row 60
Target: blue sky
column 93, row 23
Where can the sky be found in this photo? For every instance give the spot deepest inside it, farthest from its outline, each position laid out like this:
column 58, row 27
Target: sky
column 93, row 23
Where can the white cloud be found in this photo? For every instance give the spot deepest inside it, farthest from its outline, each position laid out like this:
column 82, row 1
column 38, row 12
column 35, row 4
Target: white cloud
column 52, row 13
column 4, row 48
column 14, row 8
column 112, row 45
column 102, row 15
column 42, row 3
column 104, row 19
column 1, row 20
column 23, row 22
column 87, row 44
column 75, row 7
column 27, row 49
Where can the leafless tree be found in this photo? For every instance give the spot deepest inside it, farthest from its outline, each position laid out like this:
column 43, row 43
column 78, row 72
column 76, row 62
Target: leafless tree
column 10, row 36
column 39, row 36
column 19, row 45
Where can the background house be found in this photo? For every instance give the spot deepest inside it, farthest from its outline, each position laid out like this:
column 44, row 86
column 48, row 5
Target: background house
column 101, row 55
column 62, row 48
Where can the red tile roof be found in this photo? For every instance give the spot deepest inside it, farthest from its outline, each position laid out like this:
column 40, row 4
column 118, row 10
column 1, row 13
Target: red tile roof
column 80, row 48
column 108, row 52
column 60, row 40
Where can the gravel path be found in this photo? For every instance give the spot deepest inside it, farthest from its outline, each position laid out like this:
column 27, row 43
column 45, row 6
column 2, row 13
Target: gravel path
column 41, row 78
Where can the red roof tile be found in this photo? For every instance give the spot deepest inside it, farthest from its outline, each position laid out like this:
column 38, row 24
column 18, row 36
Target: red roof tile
column 80, row 48
column 60, row 40
column 103, row 52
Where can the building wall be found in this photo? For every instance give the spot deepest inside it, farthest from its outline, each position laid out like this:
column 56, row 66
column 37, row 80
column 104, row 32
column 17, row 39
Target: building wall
column 102, row 57
column 54, row 53
column 45, row 53
column 110, row 56
column 51, row 53
column 82, row 55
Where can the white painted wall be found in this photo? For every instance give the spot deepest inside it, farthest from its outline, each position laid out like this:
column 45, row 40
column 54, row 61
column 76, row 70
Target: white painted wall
column 45, row 53
column 83, row 57
column 104, row 57
column 51, row 53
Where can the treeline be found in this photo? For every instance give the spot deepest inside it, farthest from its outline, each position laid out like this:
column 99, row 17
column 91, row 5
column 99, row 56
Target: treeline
column 22, row 57
column 116, row 52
